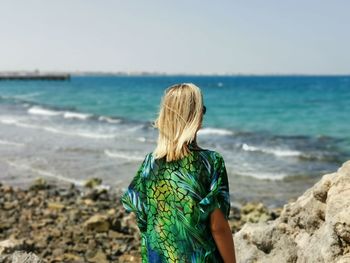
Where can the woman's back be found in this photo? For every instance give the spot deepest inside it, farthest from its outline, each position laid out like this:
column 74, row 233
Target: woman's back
column 180, row 194
column 173, row 202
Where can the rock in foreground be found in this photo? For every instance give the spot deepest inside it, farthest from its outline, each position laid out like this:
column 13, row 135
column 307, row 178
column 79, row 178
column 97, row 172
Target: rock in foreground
column 314, row 228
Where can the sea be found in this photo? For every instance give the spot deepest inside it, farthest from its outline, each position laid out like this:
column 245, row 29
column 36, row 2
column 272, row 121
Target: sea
column 278, row 134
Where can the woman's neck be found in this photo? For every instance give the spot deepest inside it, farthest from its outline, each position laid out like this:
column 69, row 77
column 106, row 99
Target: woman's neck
column 193, row 145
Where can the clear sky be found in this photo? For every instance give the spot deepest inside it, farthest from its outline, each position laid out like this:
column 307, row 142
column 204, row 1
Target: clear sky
column 189, row 36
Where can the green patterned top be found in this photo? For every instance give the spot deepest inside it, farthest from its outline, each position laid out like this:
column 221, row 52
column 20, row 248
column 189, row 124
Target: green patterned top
column 173, row 201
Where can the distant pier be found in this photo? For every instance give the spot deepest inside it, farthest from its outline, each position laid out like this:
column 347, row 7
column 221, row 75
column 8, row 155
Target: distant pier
column 34, row 76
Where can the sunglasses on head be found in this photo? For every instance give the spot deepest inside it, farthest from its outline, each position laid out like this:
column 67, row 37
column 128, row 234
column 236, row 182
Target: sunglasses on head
column 204, row 109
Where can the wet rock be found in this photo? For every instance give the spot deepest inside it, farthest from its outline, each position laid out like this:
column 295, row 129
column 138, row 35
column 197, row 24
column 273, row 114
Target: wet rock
column 5, row 225
column 98, row 223
column 129, row 258
column 93, row 182
column 98, row 257
column 254, row 212
column 57, row 252
column 96, row 194
column 55, row 206
column 39, row 184
column 70, row 257
column 10, row 205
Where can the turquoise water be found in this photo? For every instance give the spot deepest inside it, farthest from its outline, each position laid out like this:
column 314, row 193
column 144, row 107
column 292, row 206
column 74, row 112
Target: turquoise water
column 265, row 127
column 280, row 105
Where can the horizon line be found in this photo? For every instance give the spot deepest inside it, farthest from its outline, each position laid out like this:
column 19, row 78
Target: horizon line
column 160, row 73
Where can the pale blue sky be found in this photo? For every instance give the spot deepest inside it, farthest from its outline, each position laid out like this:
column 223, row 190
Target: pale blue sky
column 199, row 36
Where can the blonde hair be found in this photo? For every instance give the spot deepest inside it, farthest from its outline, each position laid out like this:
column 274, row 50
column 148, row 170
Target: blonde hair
column 180, row 117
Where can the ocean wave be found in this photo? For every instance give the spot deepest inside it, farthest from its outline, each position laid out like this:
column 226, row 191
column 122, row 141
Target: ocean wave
column 135, row 128
column 120, row 155
column 76, row 115
column 45, row 111
column 28, row 95
column 41, row 111
column 93, row 135
column 51, row 174
column 86, row 134
column 36, row 110
column 216, row 131
column 109, row 119
column 43, row 172
column 11, row 143
column 8, row 120
column 264, row 175
column 274, row 151
column 322, row 156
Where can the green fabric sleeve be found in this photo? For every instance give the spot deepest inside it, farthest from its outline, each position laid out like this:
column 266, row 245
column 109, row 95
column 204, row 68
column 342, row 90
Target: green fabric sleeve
column 219, row 194
column 134, row 198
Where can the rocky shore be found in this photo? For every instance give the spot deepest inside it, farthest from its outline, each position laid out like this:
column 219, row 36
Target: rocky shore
column 51, row 223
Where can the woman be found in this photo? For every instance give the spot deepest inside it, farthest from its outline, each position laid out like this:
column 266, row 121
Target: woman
column 180, row 193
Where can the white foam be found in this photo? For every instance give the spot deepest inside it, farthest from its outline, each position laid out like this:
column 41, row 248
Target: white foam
column 135, row 128
column 274, row 151
column 247, row 147
column 40, row 111
column 51, row 174
column 86, row 134
column 29, row 95
column 11, row 143
column 8, row 120
column 94, row 135
column 264, row 175
column 120, row 155
column 107, row 119
column 208, row 131
column 286, row 152
column 66, row 114
column 76, row 115
column 44, row 173
column 141, row 139
column 78, row 133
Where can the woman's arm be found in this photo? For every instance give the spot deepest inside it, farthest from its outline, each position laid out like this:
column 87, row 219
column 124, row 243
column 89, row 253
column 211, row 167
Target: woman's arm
column 222, row 235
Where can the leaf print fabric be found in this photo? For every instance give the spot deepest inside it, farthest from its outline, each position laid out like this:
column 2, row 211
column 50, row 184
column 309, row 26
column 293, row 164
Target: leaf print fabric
column 173, row 201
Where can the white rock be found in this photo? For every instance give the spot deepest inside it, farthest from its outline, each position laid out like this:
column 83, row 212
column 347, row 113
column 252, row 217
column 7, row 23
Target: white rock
column 314, row 228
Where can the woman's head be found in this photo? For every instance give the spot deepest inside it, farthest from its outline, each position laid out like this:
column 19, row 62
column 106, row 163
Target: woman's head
column 180, row 117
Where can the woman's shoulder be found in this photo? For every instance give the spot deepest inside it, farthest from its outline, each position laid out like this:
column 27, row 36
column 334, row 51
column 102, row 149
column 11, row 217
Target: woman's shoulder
column 148, row 157
column 210, row 154
column 215, row 155
column 195, row 147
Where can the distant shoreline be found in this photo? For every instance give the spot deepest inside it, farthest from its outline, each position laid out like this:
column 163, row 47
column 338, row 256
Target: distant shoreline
column 36, row 75
column 42, row 74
